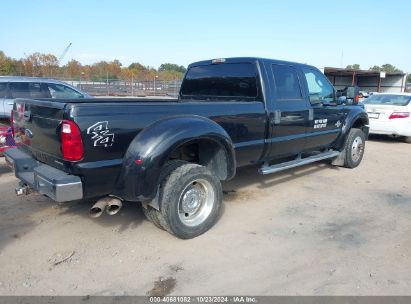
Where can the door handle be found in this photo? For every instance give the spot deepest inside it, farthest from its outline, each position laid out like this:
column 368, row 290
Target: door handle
column 10, row 103
column 277, row 117
column 294, row 117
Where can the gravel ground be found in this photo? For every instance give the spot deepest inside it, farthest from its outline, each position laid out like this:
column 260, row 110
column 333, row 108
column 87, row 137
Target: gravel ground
column 315, row 230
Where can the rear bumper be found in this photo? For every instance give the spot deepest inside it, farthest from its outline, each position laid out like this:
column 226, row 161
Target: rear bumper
column 56, row 184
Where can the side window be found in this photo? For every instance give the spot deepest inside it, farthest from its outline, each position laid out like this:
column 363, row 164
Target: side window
column 320, row 90
column 19, row 90
column 286, row 82
column 38, row 90
column 3, row 89
column 61, row 91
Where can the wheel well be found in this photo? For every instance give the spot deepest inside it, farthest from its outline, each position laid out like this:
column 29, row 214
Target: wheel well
column 360, row 123
column 205, row 152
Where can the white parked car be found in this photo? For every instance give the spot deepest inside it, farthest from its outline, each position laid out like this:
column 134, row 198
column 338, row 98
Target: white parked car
column 390, row 114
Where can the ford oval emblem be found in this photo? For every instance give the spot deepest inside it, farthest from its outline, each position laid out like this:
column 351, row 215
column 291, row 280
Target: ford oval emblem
column 28, row 133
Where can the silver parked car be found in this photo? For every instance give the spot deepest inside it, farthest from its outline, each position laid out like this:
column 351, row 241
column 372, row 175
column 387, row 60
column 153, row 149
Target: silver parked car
column 12, row 87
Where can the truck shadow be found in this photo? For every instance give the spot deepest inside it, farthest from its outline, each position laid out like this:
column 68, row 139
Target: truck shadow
column 248, row 176
column 20, row 215
column 129, row 217
column 131, row 214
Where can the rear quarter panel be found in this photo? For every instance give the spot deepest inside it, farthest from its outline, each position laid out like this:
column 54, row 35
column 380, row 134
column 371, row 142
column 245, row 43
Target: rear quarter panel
column 245, row 122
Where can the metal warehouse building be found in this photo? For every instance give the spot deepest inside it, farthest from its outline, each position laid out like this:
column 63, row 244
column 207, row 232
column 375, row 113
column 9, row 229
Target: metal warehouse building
column 367, row 80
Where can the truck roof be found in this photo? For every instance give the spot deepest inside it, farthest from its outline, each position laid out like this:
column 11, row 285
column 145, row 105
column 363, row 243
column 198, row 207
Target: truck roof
column 243, row 59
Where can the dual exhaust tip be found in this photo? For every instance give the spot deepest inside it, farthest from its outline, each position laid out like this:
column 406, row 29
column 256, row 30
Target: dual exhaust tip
column 109, row 204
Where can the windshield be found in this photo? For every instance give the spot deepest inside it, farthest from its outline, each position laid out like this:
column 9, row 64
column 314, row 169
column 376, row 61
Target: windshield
column 388, row 99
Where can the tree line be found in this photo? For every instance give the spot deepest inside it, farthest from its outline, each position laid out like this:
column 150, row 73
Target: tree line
column 47, row 65
column 389, row 68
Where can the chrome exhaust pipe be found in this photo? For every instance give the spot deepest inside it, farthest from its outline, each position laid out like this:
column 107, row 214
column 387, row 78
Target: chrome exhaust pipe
column 98, row 208
column 113, row 206
column 22, row 190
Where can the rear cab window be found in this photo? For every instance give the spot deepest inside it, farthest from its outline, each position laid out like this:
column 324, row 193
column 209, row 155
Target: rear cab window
column 223, row 81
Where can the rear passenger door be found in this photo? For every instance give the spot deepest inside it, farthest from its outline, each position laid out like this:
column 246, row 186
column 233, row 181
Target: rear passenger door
column 290, row 116
column 16, row 90
column 25, row 90
column 29, row 90
column 19, row 90
column 327, row 117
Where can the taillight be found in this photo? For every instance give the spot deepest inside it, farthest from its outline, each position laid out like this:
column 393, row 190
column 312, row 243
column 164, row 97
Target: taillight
column 12, row 123
column 399, row 115
column 71, row 143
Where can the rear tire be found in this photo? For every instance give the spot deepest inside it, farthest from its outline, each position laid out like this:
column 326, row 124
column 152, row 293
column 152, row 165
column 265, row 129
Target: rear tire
column 354, row 148
column 407, row 139
column 190, row 199
column 151, row 213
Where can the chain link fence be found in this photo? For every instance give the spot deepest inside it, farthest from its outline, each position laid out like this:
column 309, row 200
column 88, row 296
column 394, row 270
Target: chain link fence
column 114, row 87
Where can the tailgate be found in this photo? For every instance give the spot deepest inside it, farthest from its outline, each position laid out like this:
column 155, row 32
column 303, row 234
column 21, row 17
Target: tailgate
column 36, row 127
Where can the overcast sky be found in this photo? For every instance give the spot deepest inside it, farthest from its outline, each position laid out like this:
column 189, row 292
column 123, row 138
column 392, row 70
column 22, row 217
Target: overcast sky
column 322, row 33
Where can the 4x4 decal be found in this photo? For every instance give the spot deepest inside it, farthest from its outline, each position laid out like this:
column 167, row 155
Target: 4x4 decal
column 101, row 134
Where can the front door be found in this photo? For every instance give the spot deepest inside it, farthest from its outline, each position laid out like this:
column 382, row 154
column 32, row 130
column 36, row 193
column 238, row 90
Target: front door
column 326, row 116
column 290, row 114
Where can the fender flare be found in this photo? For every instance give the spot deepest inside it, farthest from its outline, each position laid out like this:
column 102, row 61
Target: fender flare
column 153, row 146
column 353, row 118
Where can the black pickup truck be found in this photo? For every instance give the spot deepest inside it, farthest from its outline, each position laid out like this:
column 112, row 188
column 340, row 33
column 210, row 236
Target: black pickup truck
column 171, row 155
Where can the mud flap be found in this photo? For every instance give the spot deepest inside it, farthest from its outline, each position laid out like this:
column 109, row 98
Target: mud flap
column 340, row 160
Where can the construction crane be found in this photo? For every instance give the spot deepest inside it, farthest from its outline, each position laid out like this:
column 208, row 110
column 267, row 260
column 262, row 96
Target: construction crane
column 64, row 53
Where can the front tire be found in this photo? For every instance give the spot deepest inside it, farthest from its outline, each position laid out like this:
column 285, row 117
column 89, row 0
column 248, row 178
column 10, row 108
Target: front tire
column 190, row 200
column 354, row 148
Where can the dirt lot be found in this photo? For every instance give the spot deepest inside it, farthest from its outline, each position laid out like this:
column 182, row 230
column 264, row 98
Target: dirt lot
column 315, row 230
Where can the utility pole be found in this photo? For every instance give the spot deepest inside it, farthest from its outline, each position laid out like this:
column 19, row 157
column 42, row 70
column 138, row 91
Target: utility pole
column 132, row 84
column 108, row 90
column 175, row 87
column 81, row 74
column 155, row 88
